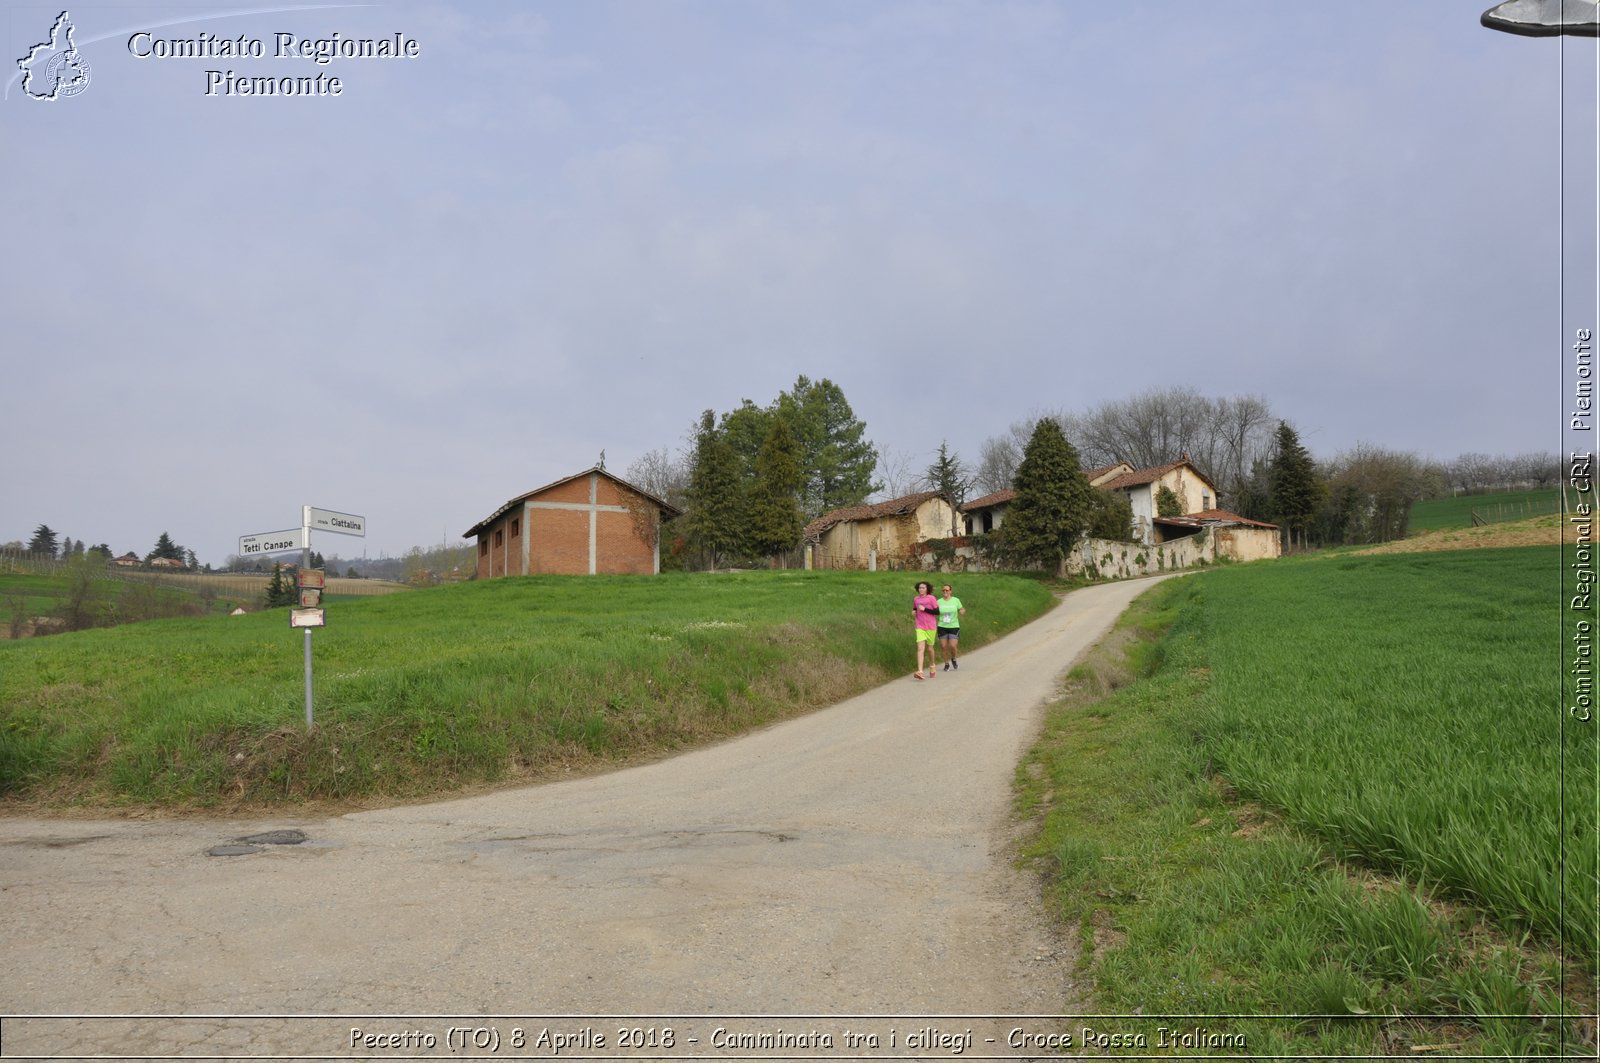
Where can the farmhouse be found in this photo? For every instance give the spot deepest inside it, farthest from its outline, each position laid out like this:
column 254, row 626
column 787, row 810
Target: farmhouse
column 590, row 523
column 1194, row 492
column 1200, row 533
column 881, row 534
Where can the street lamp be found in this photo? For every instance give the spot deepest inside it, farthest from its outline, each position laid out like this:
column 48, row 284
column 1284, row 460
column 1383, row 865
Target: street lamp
column 1545, row 18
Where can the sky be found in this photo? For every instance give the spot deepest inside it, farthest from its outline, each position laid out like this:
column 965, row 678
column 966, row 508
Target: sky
column 564, row 227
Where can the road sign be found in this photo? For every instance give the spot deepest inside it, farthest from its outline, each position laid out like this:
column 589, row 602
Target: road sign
column 307, row 618
column 272, row 542
column 312, row 577
column 328, row 520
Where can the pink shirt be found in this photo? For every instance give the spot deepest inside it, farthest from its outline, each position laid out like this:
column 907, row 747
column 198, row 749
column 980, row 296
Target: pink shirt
column 926, row 621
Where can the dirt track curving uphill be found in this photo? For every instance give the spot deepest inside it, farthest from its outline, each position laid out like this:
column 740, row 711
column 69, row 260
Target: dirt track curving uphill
column 854, row 861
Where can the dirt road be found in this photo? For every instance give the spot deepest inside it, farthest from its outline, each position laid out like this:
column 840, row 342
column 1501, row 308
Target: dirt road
column 852, row 862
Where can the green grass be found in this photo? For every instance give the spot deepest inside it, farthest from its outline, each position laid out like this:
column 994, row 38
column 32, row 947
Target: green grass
column 1331, row 789
column 431, row 691
column 1433, row 514
column 26, row 594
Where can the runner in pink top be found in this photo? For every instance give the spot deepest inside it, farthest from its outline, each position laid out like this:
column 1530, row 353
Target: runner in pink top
column 925, row 609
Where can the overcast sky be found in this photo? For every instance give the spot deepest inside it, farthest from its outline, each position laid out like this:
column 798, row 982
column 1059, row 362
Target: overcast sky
column 571, row 226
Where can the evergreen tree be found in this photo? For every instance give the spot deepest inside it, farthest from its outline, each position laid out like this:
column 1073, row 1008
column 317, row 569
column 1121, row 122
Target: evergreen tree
column 281, row 590
column 1054, row 502
column 165, row 548
column 1111, row 516
column 43, row 541
column 1294, row 489
column 1167, row 504
column 948, row 476
column 775, row 517
column 837, row 460
column 715, row 520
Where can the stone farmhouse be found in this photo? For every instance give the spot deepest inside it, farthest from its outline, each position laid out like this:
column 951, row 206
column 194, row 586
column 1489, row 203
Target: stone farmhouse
column 589, row 523
column 881, row 535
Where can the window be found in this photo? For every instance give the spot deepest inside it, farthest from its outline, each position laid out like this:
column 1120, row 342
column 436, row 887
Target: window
column 499, row 537
column 516, row 527
column 1205, row 500
column 483, row 547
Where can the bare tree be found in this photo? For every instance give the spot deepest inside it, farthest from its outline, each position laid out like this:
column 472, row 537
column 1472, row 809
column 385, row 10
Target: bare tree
column 897, row 473
column 1540, row 468
column 659, row 473
column 1378, row 487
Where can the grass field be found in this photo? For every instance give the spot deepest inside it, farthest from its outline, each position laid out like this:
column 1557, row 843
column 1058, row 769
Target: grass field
column 1432, row 514
column 435, row 690
column 1336, row 790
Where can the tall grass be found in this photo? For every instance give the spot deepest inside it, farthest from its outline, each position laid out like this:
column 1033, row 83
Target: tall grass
column 1408, row 709
column 422, row 693
column 1323, row 797
column 1456, row 511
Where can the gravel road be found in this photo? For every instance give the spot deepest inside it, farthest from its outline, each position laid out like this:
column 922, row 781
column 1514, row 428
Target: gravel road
column 853, row 862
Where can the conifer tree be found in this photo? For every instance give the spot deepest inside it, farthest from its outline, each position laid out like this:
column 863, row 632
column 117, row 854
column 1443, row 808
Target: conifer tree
column 1053, row 504
column 775, row 517
column 948, row 476
column 1294, row 489
column 715, row 520
column 43, row 541
column 838, row 461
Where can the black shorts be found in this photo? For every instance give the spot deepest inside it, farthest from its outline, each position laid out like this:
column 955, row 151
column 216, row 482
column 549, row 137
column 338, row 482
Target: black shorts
column 949, row 632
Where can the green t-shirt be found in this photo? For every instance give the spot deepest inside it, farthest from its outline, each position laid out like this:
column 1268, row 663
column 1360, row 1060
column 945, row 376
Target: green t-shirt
column 950, row 612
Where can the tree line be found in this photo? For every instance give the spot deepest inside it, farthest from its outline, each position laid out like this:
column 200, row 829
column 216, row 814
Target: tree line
column 749, row 479
column 49, row 545
column 753, row 476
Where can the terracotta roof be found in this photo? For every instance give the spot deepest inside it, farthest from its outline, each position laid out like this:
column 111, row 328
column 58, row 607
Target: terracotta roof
column 891, row 508
column 666, row 508
column 1150, row 476
column 1094, row 474
column 994, row 499
column 1213, row 516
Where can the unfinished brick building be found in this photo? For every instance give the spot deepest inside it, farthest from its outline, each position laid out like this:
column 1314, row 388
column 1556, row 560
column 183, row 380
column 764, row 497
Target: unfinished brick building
column 587, row 524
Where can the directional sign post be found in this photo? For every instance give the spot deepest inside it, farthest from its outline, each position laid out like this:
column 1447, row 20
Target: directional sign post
column 278, row 542
column 310, row 614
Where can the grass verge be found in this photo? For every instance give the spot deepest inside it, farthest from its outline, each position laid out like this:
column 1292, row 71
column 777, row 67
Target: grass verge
column 440, row 690
column 1321, row 798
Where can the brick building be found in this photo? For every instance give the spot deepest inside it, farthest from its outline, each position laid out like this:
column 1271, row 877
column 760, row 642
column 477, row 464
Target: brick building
column 587, row 524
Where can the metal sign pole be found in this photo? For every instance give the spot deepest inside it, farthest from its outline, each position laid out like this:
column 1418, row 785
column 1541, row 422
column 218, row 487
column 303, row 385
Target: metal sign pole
column 305, row 566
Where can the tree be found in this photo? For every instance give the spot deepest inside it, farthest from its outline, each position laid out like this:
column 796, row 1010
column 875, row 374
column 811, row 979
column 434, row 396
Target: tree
column 281, row 590
column 1295, row 490
column 165, row 548
column 774, row 506
column 657, row 473
column 714, row 522
column 1054, row 502
column 838, row 461
column 1376, row 489
column 43, row 541
column 948, row 476
column 1167, row 504
column 1111, row 516
column 1224, row 438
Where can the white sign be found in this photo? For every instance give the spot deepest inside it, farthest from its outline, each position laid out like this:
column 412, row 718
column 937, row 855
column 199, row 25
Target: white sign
column 307, row 618
column 272, row 542
column 328, row 520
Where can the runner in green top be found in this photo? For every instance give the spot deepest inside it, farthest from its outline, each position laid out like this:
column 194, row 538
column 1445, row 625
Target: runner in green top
column 950, row 613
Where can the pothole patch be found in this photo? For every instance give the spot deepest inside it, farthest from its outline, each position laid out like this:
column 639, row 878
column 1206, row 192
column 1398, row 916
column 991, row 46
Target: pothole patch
column 274, row 837
column 232, row 850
